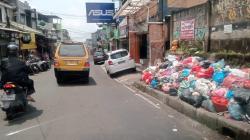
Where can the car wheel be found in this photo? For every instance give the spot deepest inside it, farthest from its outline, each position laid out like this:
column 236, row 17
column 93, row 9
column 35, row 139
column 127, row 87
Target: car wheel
column 87, row 80
column 111, row 75
column 59, row 80
column 9, row 115
column 134, row 69
column 95, row 63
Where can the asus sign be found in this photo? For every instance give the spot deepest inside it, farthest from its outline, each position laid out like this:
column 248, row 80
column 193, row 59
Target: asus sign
column 100, row 12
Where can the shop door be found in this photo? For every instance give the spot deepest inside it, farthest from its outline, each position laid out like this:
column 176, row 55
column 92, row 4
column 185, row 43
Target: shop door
column 143, row 46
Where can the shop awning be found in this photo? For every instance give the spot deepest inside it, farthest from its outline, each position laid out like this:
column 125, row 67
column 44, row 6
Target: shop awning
column 7, row 5
column 130, row 7
column 25, row 28
column 9, row 29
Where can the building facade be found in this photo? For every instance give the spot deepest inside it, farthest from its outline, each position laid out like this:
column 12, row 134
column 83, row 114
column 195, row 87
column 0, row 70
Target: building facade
column 218, row 25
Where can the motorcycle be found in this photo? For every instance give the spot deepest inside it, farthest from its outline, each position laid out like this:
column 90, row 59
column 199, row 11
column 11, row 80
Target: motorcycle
column 33, row 67
column 14, row 99
column 36, row 65
column 42, row 65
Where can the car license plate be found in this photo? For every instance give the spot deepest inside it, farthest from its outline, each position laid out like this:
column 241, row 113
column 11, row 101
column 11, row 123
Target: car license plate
column 99, row 56
column 121, row 62
column 71, row 62
column 6, row 97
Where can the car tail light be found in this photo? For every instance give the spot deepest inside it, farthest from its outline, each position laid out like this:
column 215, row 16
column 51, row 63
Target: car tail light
column 110, row 62
column 56, row 63
column 9, row 86
column 87, row 64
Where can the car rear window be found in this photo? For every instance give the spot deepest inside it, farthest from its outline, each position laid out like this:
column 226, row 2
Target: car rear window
column 98, row 53
column 72, row 50
column 119, row 55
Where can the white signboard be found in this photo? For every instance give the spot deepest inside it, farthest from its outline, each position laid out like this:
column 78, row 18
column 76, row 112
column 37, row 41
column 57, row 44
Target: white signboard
column 228, row 29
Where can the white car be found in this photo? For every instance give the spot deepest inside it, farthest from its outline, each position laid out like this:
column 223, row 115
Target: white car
column 118, row 61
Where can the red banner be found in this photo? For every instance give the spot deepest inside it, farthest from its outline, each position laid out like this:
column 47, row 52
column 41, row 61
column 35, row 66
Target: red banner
column 187, row 29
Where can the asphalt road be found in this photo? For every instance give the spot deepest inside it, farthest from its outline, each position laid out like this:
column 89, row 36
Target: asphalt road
column 101, row 110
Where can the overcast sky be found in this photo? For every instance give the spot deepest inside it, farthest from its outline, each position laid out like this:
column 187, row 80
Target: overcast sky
column 73, row 13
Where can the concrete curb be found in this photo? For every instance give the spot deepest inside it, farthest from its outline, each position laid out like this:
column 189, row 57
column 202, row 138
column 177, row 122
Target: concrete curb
column 236, row 129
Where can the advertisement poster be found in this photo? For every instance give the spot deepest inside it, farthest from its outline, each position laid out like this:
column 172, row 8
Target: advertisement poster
column 100, row 12
column 187, row 29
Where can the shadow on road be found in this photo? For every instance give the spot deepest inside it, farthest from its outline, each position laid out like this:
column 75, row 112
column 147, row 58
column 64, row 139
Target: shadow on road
column 123, row 73
column 31, row 113
column 98, row 64
column 74, row 82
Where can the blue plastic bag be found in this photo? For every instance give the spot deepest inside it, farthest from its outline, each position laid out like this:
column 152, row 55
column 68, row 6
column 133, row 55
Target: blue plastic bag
column 219, row 76
column 185, row 73
column 236, row 111
column 230, row 94
column 154, row 83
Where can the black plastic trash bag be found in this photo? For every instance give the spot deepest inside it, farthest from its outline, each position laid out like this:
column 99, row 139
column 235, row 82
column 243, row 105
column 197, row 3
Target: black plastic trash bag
column 185, row 95
column 165, row 65
column 173, row 92
column 241, row 95
column 205, row 64
column 196, row 100
column 247, row 108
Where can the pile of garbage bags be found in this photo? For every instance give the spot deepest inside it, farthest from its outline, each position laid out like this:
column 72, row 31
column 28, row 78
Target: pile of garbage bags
column 211, row 85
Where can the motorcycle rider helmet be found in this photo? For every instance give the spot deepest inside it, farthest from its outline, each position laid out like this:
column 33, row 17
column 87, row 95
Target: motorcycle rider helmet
column 12, row 49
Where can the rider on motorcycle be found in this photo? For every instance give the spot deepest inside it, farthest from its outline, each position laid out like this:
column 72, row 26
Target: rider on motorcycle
column 15, row 70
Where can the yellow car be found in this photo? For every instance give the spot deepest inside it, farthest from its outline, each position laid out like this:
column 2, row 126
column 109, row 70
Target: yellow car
column 71, row 60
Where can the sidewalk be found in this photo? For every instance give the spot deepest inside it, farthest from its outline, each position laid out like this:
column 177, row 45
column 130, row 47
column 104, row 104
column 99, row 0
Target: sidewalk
column 236, row 129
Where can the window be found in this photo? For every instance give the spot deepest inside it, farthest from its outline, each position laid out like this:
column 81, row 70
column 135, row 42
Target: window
column 124, row 53
column 22, row 19
column 119, row 55
column 98, row 53
column 72, row 50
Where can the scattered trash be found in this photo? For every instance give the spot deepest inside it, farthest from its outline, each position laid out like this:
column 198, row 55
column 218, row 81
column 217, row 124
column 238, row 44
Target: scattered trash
column 203, row 83
column 175, row 130
column 170, row 116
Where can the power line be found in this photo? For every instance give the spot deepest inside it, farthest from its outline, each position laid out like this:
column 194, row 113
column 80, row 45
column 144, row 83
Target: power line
column 82, row 33
column 73, row 29
column 63, row 14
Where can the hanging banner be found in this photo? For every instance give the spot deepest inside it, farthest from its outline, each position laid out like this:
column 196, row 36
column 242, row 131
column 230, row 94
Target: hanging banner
column 100, row 12
column 28, row 41
column 187, row 29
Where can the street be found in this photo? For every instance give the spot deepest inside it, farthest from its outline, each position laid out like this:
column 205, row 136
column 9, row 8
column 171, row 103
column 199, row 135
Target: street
column 101, row 110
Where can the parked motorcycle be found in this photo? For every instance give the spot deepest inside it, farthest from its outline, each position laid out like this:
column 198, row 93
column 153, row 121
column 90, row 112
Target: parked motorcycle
column 36, row 65
column 33, row 67
column 14, row 99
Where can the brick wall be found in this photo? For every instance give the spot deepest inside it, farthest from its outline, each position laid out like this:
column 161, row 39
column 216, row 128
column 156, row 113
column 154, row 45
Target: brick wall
column 156, row 41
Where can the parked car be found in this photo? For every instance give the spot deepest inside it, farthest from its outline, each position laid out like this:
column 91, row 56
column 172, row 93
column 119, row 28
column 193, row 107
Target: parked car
column 99, row 57
column 117, row 61
column 71, row 60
